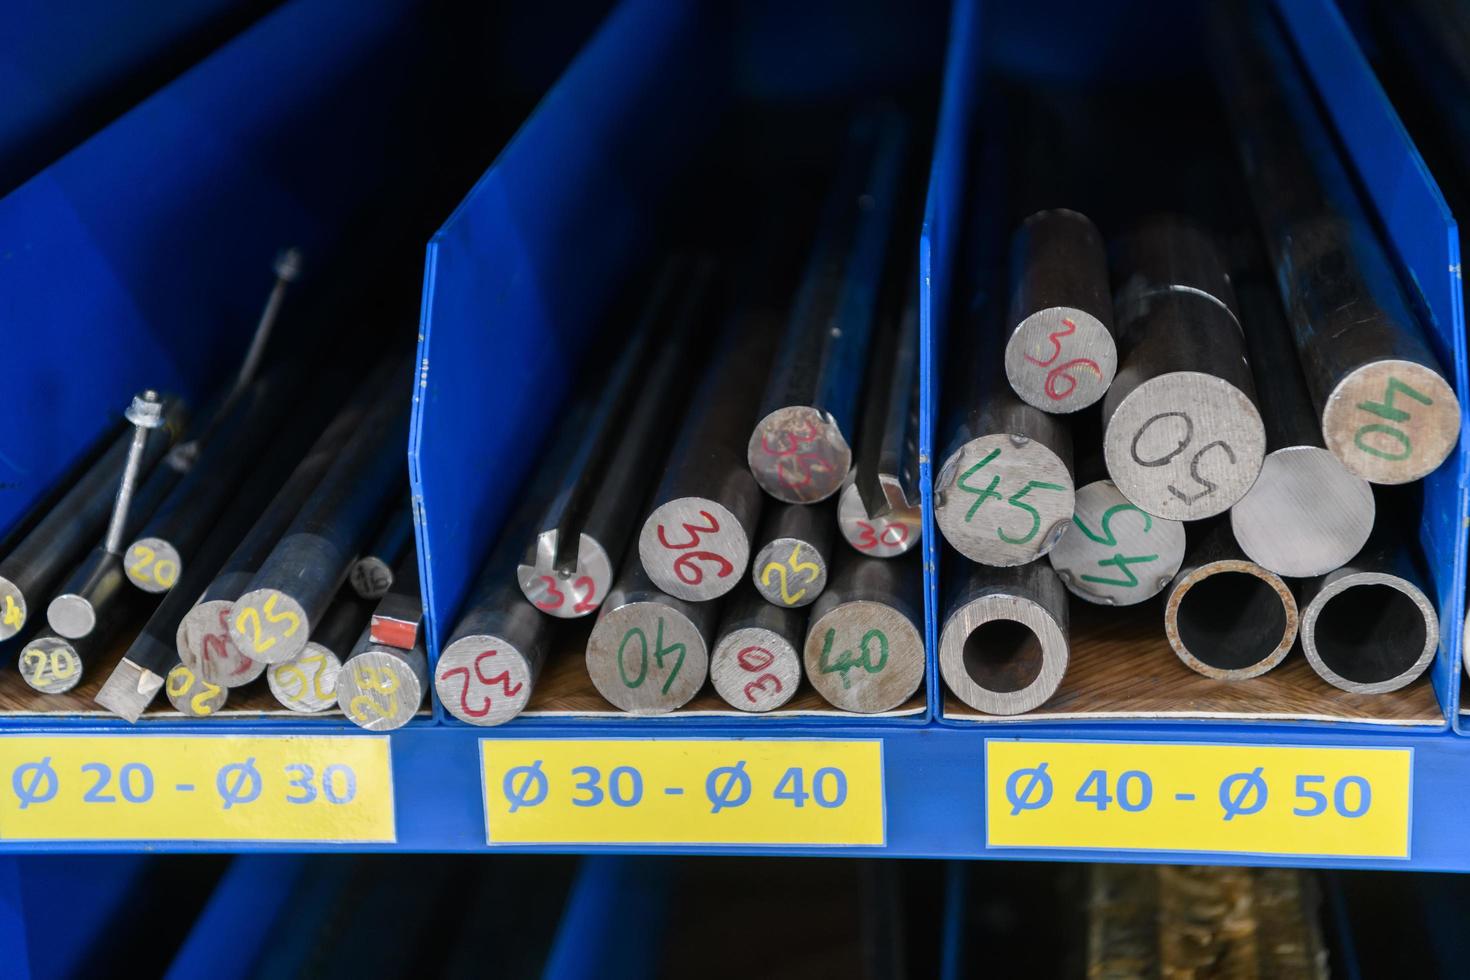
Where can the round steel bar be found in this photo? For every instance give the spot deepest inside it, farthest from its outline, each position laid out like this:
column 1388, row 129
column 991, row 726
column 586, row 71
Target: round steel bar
column 756, row 663
column 794, row 553
column 1116, row 554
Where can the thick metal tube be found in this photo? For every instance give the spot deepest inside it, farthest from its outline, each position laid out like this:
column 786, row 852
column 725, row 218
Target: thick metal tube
column 1227, row 617
column 1385, row 407
column 1004, row 649
column 1060, row 354
column 38, row 561
column 399, row 614
column 1368, row 627
column 800, row 450
column 372, row 574
column 794, row 553
column 380, row 688
column 308, row 682
column 1004, row 494
column 695, row 543
column 649, row 652
column 1182, row 436
column 878, row 511
column 204, row 640
column 568, row 566
column 273, row 619
column 1306, row 514
column 864, row 651
column 756, row 663
column 1116, row 554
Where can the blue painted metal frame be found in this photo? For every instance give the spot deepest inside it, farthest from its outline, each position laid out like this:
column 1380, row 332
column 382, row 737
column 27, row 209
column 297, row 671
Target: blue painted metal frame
column 246, row 905
column 142, row 257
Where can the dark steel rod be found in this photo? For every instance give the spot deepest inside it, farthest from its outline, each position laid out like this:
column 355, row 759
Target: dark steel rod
column 1385, row 407
column 372, row 574
column 756, row 662
column 1116, row 554
column 800, row 450
column 864, row 651
column 794, row 553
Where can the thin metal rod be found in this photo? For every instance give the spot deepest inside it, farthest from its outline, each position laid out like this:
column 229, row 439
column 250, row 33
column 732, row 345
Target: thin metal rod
column 1225, row 616
column 794, row 553
column 372, row 574
column 800, row 449
column 1004, row 648
column 863, row 650
column 1385, row 407
column 756, row 663
column 1116, row 554
column 287, row 269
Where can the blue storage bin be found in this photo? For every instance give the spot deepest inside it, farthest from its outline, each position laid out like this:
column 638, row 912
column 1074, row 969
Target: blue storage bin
column 1080, row 41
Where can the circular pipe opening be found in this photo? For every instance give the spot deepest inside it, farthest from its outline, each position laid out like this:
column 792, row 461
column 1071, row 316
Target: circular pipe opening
column 1231, row 620
column 1369, row 633
column 1003, row 656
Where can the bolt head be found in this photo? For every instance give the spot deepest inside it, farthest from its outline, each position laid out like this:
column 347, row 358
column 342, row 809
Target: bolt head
column 146, row 411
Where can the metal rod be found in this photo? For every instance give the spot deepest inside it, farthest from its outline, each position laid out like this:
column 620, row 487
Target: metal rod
column 1116, row 554
column 204, row 641
column 1306, row 514
column 287, row 268
column 695, row 543
column 193, row 696
column 53, row 664
column 800, row 449
column 308, row 682
column 273, row 619
column 878, row 511
column 372, row 574
column 1368, row 627
column 1385, row 407
column 145, row 414
column 1182, row 436
column 1060, row 354
column 1004, row 648
column 864, row 651
column 1004, row 495
column 756, row 663
column 396, row 620
column 568, row 567
column 34, row 567
column 380, row 688
column 794, row 553
column 1225, row 616
column 649, row 652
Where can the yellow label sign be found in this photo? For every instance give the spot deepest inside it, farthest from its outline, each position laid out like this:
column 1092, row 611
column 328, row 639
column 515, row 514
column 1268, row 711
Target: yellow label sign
column 688, row 791
column 196, row 787
column 1238, row 799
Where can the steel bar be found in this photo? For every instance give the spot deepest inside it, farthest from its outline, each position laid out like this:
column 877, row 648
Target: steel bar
column 193, row 696
column 1381, row 395
column 1306, row 514
column 864, row 651
column 308, row 682
column 794, row 553
column 380, row 688
column 1116, row 554
column 37, row 563
column 1182, row 436
column 273, row 619
column 1225, row 616
column 53, row 664
column 248, row 430
column 1004, row 646
column 756, row 663
column 1004, row 494
column 649, row 652
column 372, row 574
column 695, row 543
column 204, row 640
column 1060, row 354
column 878, row 511
column 800, row 449
column 1368, row 627
column 579, row 541
column 399, row 614
column 287, row 268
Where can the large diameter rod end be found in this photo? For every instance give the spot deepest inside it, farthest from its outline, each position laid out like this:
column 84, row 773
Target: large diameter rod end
column 1370, row 632
column 891, row 532
column 755, row 669
column 129, row 690
column 1391, row 421
column 380, row 689
column 561, row 592
column 1003, row 500
column 1061, row 360
column 864, row 656
column 483, row 680
column 1003, row 654
column 206, row 648
column 1116, row 554
column 798, row 455
column 647, row 658
column 1230, row 619
column 1306, row 514
column 693, row 548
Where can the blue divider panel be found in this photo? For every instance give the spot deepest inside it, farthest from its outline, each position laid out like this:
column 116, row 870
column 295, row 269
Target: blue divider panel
column 519, row 275
column 142, row 257
column 1421, row 233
